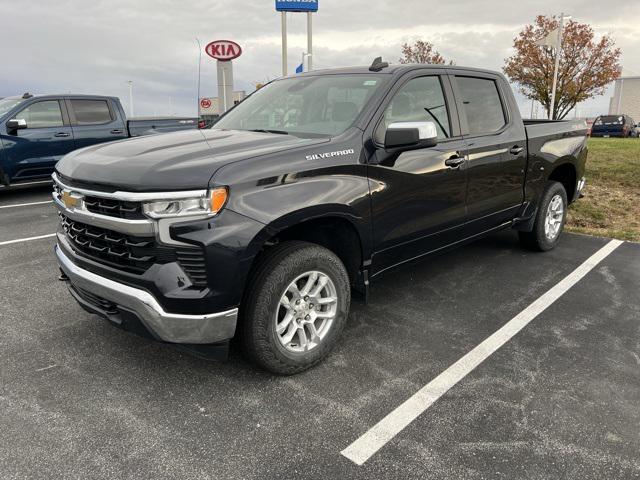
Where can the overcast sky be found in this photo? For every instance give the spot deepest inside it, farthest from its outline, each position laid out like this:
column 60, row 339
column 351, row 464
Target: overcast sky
column 81, row 46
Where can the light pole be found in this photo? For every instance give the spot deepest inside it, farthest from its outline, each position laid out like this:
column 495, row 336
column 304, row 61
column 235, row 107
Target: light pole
column 130, row 82
column 199, row 66
column 284, row 43
column 309, row 42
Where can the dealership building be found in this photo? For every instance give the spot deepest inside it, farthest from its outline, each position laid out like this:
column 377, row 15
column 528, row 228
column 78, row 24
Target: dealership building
column 626, row 98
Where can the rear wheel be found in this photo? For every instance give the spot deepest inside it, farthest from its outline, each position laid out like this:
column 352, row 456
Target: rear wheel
column 295, row 308
column 550, row 219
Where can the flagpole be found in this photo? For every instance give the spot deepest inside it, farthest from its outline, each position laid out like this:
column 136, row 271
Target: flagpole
column 557, row 65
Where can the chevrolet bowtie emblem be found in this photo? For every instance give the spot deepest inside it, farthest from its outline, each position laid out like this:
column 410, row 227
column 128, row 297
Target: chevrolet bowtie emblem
column 69, row 199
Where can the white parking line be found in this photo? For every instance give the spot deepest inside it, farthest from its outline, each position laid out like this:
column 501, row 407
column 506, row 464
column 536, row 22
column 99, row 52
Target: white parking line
column 387, row 428
column 26, row 204
column 28, row 239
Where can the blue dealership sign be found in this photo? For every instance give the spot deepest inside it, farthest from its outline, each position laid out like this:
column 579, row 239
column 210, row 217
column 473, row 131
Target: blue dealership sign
column 297, row 5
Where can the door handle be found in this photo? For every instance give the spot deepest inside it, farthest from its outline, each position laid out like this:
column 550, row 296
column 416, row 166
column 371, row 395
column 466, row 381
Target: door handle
column 117, row 132
column 516, row 150
column 454, row 161
column 61, row 134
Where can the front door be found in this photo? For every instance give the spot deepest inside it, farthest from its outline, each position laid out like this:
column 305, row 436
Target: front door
column 418, row 196
column 34, row 151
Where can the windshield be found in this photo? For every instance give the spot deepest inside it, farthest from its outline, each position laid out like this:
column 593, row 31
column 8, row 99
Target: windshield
column 305, row 106
column 7, row 104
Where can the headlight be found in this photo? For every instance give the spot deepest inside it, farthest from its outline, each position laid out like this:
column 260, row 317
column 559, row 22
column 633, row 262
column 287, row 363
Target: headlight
column 207, row 205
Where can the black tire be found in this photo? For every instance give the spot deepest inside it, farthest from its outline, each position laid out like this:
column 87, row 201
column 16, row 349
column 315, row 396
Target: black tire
column 280, row 266
column 537, row 239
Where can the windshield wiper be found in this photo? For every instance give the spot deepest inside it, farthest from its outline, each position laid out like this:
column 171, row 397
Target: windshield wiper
column 265, row 130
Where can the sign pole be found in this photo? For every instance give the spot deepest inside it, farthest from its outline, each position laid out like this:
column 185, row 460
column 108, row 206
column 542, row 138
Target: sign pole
column 199, row 67
column 284, row 43
column 224, row 89
column 130, row 82
column 309, row 42
column 557, row 65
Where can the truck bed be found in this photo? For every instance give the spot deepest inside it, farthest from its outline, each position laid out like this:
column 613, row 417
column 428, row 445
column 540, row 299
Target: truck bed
column 538, row 128
column 150, row 125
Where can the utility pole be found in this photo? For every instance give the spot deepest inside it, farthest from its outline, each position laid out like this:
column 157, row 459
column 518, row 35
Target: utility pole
column 532, row 102
column 130, row 82
column 309, row 42
column 557, row 65
column 284, row 43
column 619, row 107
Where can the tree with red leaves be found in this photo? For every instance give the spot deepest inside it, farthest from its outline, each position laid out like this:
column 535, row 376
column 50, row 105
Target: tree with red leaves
column 421, row 52
column 587, row 65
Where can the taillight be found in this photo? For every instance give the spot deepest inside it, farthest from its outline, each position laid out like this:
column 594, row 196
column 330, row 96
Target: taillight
column 202, row 124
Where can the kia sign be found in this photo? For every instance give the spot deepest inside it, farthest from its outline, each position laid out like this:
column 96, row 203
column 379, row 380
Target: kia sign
column 223, row 50
column 297, row 5
column 205, row 103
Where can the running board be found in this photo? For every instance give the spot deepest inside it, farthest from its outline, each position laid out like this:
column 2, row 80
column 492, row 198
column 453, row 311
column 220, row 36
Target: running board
column 24, row 184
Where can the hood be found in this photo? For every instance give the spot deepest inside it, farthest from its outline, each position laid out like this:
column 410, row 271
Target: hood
column 172, row 161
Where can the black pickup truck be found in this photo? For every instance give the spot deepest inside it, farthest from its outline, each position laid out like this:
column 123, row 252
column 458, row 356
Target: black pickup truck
column 261, row 227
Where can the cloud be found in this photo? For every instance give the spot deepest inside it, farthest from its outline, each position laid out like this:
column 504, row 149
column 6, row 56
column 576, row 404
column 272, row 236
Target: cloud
column 95, row 47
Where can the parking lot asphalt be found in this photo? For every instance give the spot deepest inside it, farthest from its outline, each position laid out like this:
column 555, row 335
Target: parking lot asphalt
column 82, row 399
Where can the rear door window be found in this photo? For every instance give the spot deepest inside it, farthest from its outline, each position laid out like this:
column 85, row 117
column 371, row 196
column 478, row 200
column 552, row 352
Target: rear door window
column 91, row 112
column 45, row 114
column 482, row 105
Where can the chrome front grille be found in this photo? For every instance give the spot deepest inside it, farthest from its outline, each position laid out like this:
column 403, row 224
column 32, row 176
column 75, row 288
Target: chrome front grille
column 132, row 254
column 111, row 229
column 114, row 208
column 113, row 248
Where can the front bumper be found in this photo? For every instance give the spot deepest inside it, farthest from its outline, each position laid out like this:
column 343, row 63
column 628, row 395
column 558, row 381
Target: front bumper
column 113, row 299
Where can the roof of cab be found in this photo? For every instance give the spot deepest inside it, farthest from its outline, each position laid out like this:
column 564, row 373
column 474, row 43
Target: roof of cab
column 61, row 95
column 398, row 68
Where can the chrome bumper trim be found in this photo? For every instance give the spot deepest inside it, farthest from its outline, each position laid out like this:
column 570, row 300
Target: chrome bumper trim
column 148, row 227
column 170, row 327
column 135, row 228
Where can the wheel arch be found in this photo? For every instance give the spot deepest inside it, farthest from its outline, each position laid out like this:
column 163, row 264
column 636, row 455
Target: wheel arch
column 565, row 173
column 337, row 229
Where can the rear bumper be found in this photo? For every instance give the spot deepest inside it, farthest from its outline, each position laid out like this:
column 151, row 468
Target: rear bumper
column 579, row 188
column 115, row 300
column 607, row 134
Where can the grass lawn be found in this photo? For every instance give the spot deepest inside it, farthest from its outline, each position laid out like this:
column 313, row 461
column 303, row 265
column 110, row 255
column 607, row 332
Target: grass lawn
column 611, row 206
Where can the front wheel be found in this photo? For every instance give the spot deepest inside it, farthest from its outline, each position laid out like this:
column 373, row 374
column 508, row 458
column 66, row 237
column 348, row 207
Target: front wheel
column 550, row 219
column 295, row 308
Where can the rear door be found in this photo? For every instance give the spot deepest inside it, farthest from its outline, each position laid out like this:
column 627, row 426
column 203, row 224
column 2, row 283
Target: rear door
column 34, row 151
column 496, row 147
column 418, row 202
column 95, row 120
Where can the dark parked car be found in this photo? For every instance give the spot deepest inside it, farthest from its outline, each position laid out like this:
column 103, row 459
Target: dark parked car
column 37, row 130
column 310, row 188
column 614, row 126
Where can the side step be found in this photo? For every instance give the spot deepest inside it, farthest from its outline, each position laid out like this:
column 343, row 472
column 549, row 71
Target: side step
column 13, row 186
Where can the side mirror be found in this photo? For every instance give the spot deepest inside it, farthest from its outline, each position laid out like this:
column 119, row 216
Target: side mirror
column 411, row 135
column 16, row 124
